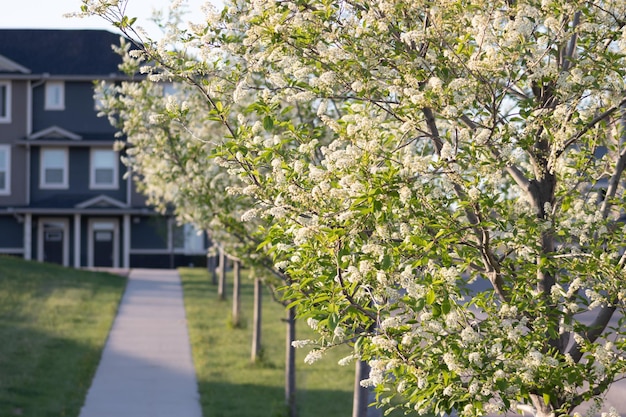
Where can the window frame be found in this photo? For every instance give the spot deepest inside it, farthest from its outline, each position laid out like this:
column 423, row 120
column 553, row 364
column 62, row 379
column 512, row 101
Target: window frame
column 48, row 104
column 42, row 170
column 92, row 170
column 6, row 190
column 7, row 102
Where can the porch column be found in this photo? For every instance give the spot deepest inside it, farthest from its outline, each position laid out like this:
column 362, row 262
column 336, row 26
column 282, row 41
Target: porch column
column 28, row 236
column 76, row 240
column 126, row 242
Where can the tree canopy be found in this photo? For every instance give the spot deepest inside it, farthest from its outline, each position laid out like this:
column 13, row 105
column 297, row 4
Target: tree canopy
column 441, row 182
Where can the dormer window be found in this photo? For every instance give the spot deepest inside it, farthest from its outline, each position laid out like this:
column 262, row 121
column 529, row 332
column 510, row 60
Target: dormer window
column 55, row 95
column 104, row 172
column 5, row 101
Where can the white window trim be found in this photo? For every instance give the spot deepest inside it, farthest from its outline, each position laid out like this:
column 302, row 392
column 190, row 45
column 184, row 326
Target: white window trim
column 92, row 171
column 7, row 189
column 55, row 106
column 7, row 117
column 42, row 177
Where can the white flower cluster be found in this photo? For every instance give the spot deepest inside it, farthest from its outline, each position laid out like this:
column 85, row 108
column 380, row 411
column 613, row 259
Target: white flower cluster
column 302, row 343
column 384, row 343
column 378, row 369
column 313, row 356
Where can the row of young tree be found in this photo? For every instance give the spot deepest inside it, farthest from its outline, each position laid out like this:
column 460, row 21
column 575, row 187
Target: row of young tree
column 438, row 184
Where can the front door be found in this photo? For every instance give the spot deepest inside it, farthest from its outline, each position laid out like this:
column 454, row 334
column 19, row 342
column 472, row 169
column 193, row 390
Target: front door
column 53, row 244
column 103, row 248
column 103, row 245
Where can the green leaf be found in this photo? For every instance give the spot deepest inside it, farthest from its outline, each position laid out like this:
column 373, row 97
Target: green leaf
column 431, row 297
column 294, row 303
column 445, row 306
column 333, row 321
column 263, row 244
column 386, row 262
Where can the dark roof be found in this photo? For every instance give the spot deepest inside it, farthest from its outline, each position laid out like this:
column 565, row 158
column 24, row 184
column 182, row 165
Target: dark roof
column 61, row 52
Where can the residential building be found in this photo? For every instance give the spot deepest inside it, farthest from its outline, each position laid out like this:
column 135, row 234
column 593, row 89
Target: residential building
column 64, row 195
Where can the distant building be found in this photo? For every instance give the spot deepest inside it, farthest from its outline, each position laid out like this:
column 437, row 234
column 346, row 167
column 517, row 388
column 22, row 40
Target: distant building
column 63, row 194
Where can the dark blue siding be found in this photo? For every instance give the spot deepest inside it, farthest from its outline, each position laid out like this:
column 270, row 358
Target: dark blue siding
column 166, row 261
column 79, row 115
column 11, row 232
column 149, row 233
column 79, row 170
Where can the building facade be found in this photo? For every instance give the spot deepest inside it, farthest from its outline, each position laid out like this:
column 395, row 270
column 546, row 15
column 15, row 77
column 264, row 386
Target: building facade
column 64, row 195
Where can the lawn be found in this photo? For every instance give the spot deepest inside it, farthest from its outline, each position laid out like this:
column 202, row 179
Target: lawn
column 53, row 325
column 230, row 386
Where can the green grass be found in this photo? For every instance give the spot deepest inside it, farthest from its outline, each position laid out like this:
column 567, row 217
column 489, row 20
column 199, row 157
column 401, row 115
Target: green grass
column 53, row 325
column 229, row 384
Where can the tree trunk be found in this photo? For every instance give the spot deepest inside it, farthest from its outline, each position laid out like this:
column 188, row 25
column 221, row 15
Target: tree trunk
column 221, row 284
column 211, row 266
column 256, row 325
column 362, row 396
column 236, row 320
column 541, row 408
column 290, row 364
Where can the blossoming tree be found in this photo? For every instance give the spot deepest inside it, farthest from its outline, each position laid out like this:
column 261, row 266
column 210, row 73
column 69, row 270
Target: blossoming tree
column 168, row 149
column 451, row 202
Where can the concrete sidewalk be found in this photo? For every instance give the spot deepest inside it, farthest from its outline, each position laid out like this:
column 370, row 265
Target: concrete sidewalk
column 146, row 368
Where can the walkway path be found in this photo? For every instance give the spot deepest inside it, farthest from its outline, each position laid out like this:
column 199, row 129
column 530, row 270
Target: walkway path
column 146, row 368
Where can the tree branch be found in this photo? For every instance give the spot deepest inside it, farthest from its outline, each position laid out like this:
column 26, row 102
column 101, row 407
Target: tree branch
column 571, row 47
column 595, row 330
column 617, row 174
column 590, row 125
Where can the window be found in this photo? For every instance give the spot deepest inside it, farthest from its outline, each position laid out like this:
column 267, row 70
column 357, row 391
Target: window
column 54, row 167
column 103, row 168
column 55, row 95
column 5, row 102
column 187, row 238
column 5, row 169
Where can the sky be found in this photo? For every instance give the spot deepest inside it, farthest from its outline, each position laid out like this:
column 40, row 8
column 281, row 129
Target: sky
column 49, row 14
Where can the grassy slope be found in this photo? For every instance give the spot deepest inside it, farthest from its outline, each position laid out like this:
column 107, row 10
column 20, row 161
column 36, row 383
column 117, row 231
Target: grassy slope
column 230, row 386
column 53, row 325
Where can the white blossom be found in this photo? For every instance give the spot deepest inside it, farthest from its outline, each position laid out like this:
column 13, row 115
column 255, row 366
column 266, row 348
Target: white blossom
column 302, row 343
column 313, row 356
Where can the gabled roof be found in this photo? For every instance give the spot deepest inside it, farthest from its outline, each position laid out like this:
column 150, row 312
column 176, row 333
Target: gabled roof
column 61, row 52
column 101, row 201
column 55, row 132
